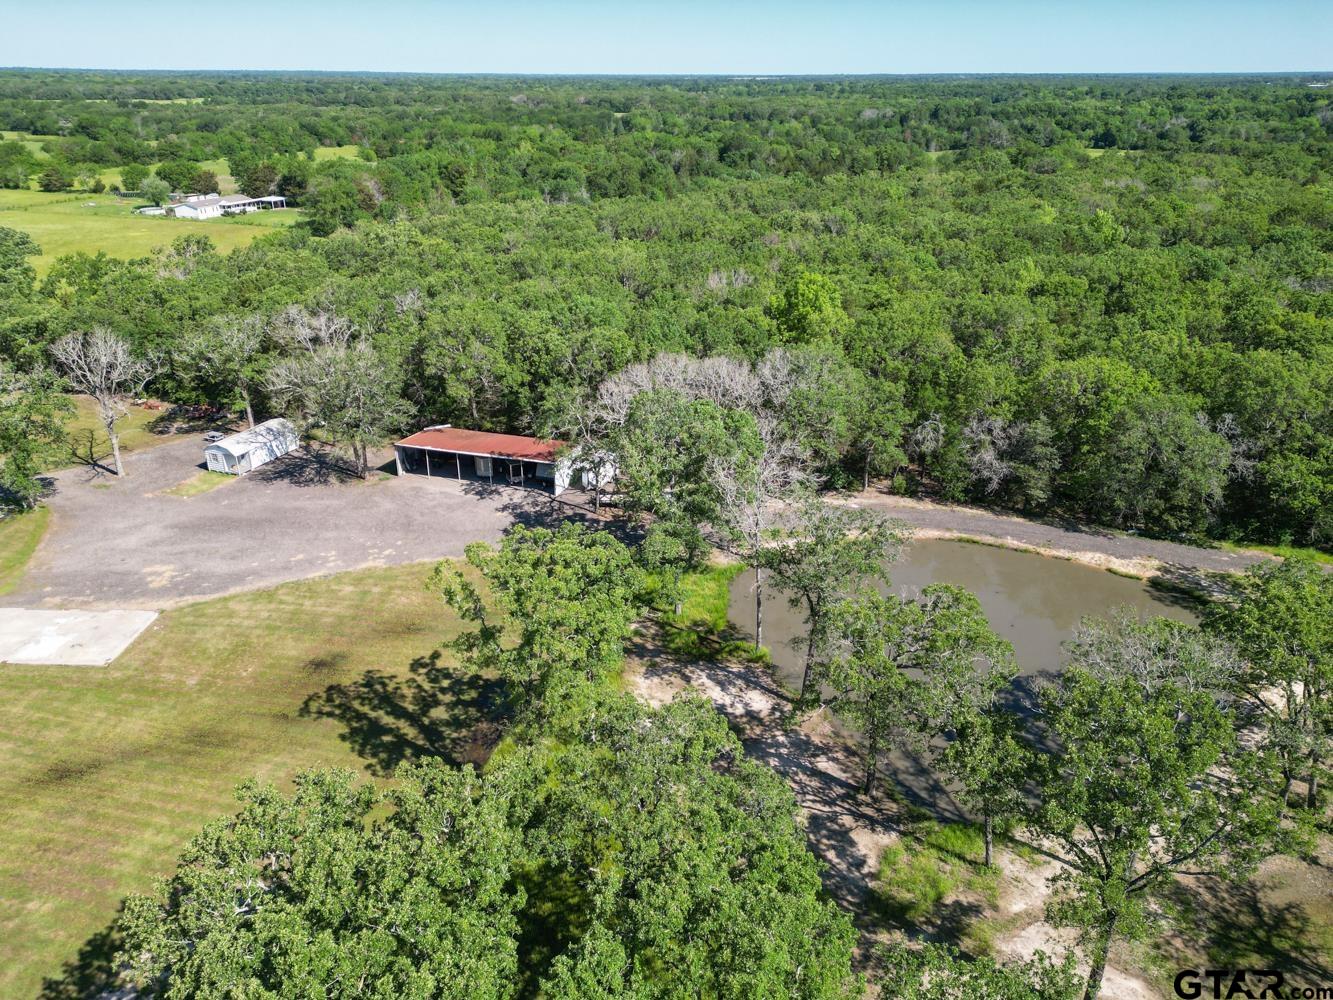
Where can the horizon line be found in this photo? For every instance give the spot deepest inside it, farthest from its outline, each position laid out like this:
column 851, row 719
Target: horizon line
column 675, row 74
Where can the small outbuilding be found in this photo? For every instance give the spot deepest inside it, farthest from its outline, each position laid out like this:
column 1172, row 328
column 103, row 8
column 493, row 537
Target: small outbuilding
column 498, row 459
column 248, row 450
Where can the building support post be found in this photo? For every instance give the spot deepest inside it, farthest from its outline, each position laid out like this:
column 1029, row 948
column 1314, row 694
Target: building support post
column 426, row 451
column 398, row 460
column 458, row 466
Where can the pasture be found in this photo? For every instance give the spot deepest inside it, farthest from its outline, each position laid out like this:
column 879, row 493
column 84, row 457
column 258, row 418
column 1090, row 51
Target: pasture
column 73, row 222
column 107, row 772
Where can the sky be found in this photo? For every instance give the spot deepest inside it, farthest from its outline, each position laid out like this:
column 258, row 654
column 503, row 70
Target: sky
column 687, row 36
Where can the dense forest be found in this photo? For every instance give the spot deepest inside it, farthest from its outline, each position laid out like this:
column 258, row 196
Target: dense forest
column 1108, row 298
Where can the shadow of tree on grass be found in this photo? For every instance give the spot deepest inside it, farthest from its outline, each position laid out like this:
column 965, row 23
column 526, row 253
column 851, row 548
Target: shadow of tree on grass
column 90, row 973
column 435, row 710
column 1236, row 927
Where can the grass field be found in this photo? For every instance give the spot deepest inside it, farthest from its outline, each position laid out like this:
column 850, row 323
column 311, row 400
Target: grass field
column 107, row 772
column 19, row 535
column 88, row 440
column 70, row 222
column 336, row 152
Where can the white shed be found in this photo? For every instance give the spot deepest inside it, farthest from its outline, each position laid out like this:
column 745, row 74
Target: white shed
column 250, row 449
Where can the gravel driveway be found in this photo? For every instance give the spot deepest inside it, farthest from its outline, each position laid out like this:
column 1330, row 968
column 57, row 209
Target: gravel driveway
column 128, row 544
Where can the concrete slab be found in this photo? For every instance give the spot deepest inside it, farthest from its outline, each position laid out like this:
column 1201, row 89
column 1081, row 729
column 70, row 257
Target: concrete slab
column 68, row 638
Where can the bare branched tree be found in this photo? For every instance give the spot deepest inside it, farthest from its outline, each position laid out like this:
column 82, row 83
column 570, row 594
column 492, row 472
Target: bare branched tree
column 100, row 364
column 927, row 437
column 751, row 493
column 337, row 382
column 751, row 496
column 301, row 329
column 226, row 352
column 985, row 441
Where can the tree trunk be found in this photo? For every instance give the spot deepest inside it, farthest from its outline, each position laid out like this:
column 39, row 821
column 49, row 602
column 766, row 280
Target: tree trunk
column 1097, row 970
column 1312, row 786
column 1288, row 781
column 989, row 827
column 809, row 659
column 872, row 765
column 249, row 410
column 109, row 422
column 758, row 607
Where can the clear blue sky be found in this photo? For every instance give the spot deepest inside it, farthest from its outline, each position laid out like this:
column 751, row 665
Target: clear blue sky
column 688, row 36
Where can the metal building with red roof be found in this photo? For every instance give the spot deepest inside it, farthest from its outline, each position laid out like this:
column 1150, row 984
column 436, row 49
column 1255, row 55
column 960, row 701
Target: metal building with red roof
column 483, row 456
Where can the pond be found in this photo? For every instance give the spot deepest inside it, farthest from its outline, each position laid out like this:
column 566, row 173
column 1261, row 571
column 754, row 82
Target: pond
column 1033, row 601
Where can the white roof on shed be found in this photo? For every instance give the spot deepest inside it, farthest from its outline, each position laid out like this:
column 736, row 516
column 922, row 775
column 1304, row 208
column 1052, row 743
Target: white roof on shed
column 277, row 429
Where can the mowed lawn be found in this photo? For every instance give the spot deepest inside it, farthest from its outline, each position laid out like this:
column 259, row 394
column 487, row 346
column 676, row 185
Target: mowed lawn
column 20, row 534
column 105, row 773
column 70, row 222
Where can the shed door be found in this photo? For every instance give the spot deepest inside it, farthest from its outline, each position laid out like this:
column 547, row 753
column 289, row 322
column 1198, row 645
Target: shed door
column 483, row 466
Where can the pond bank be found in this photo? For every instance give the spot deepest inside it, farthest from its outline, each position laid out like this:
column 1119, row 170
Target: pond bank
column 1187, row 566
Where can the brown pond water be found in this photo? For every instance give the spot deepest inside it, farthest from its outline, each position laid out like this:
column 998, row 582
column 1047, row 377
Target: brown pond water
column 1034, row 601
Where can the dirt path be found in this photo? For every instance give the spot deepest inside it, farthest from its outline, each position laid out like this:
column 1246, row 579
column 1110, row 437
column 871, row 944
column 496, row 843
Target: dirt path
column 1146, row 557
column 846, row 830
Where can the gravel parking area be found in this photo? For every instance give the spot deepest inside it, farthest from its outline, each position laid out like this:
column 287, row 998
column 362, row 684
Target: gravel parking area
column 128, row 544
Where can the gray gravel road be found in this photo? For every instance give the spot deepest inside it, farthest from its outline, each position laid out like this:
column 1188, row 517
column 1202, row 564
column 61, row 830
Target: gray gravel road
column 127, row 544
column 1069, row 538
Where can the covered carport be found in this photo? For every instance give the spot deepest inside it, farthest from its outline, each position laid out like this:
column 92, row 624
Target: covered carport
column 482, row 456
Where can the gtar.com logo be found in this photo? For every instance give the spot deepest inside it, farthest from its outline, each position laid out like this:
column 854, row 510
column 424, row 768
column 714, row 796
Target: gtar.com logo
column 1252, row 984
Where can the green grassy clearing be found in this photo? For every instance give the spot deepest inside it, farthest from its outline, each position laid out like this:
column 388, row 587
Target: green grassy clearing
column 87, row 440
column 33, row 143
column 108, row 772
column 337, row 152
column 1282, row 551
column 200, row 482
column 933, row 878
column 701, row 630
column 226, row 182
column 72, row 222
column 19, row 537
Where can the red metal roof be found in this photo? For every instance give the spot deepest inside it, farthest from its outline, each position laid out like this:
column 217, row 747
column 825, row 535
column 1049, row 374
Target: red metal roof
column 467, row 442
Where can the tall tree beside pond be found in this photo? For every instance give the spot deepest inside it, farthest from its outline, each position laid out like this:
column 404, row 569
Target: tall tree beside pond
column 828, row 553
column 662, row 452
column 965, row 680
column 882, row 648
column 1281, row 624
column 1142, row 784
column 560, row 608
